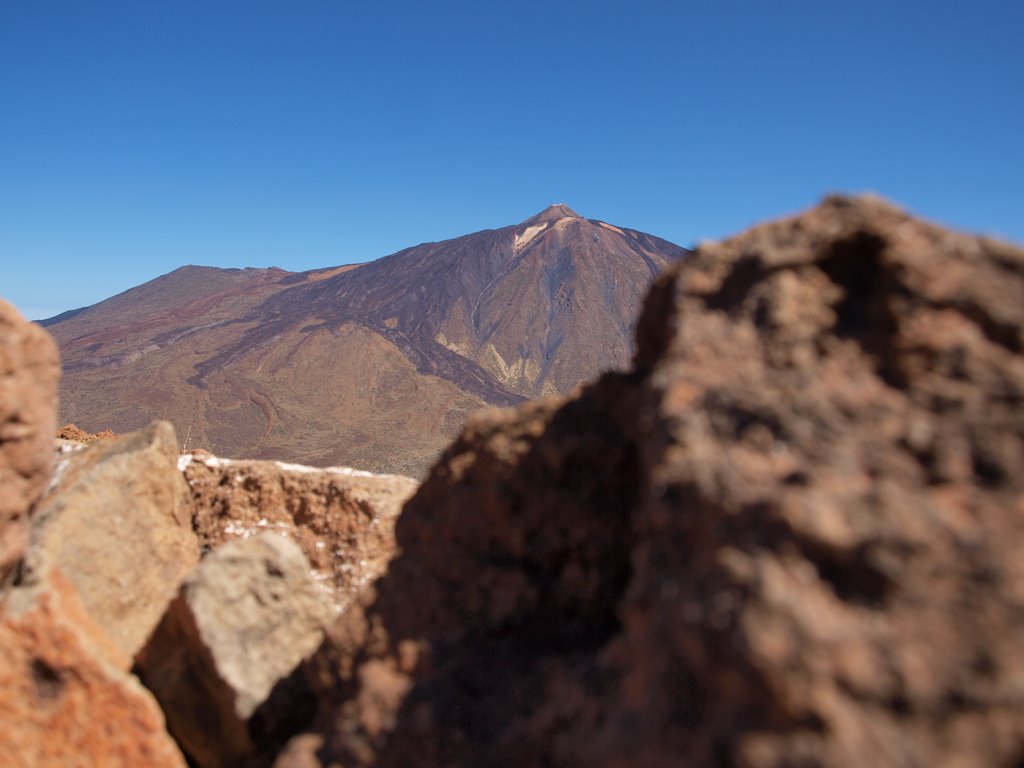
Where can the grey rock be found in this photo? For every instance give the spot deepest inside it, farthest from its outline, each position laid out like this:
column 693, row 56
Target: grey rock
column 117, row 521
column 242, row 623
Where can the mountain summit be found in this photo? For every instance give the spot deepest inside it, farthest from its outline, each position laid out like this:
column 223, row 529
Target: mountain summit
column 373, row 365
column 552, row 213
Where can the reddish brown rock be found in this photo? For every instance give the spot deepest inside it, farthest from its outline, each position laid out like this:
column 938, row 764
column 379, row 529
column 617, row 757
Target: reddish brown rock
column 343, row 519
column 790, row 537
column 300, row 752
column 832, row 470
column 65, row 699
column 29, row 377
column 117, row 521
column 79, row 435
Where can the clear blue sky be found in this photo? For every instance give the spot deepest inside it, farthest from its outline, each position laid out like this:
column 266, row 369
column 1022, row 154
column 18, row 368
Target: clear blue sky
column 136, row 137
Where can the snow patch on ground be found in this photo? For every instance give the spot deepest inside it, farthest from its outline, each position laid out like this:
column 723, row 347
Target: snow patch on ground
column 347, row 471
column 215, row 463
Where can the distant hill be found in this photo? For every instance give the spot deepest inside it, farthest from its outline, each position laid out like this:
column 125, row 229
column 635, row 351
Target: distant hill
column 373, row 365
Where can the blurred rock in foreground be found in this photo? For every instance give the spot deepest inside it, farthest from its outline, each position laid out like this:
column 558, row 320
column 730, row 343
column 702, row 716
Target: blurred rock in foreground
column 29, row 378
column 117, row 521
column 791, row 536
column 66, row 698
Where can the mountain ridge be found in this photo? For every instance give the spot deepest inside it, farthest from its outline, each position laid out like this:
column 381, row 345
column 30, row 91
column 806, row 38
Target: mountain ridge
column 355, row 356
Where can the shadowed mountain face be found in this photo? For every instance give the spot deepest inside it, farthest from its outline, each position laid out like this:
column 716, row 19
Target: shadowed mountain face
column 372, row 365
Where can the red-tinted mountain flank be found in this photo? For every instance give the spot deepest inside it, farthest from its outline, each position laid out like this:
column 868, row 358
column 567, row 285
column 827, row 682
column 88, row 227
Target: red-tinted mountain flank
column 373, row 365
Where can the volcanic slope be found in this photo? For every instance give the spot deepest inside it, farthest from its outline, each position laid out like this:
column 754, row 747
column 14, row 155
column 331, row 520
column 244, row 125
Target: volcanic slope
column 375, row 365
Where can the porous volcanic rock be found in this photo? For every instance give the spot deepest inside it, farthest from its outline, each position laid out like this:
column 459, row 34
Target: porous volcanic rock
column 244, row 620
column 117, row 521
column 791, row 536
column 343, row 519
column 29, row 378
column 66, row 698
column 77, row 434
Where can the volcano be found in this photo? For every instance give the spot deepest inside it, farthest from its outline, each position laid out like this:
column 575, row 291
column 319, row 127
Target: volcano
column 374, row 365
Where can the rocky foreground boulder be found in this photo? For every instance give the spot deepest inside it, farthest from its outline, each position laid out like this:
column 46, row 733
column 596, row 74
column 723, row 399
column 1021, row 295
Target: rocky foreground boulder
column 790, row 536
column 66, row 697
column 29, row 378
column 93, row 595
column 244, row 620
column 109, row 543
column 117, row 522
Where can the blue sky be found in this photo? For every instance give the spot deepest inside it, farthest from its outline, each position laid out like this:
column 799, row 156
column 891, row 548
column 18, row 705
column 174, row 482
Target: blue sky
column 137, row 137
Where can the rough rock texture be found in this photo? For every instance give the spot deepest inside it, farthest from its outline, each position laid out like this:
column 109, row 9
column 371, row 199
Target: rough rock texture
column 245, row 619
column 76, row 433
column 343, row 519
column 29, row 377
column 118, row 522
column 791, row 537
column 65, row 697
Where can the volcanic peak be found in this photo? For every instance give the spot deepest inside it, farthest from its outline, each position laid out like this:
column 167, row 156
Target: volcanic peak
column 552, row 213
